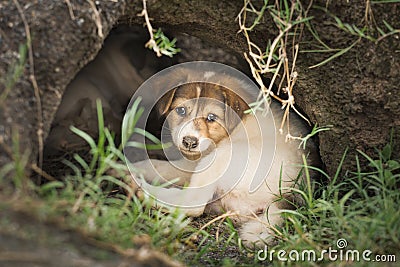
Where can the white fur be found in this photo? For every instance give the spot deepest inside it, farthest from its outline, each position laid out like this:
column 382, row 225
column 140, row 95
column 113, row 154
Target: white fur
column 257, row 211
column 209, row 74
column 189, row 129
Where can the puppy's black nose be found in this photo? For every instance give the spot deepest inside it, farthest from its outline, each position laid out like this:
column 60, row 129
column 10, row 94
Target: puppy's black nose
column 190, row 142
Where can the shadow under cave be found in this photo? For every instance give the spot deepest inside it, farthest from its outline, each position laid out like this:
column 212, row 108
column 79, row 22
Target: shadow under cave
column 119, row 68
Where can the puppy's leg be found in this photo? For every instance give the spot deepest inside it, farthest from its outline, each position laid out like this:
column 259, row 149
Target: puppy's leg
column 258, row 231
column 192, row 199
column 202, row 191
column 162, row 171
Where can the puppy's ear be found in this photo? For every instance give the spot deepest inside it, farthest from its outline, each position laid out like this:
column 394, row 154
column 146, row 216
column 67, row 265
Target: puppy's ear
column 235, row 112
column 165, row 102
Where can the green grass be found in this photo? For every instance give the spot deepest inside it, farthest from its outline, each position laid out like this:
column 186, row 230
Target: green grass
column 15, row 71
column 361, row 207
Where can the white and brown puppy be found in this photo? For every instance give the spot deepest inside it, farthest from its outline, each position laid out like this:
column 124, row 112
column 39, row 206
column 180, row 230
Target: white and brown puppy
column 222, row 146
column 198, row 117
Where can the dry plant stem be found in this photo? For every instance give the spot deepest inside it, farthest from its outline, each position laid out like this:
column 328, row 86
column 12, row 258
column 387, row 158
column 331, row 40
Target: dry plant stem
column 230, row 214
column 78, row 202
column 273, row 47
column 70, row 10
column 42, row 173
column 218, row 229
column 151, row 43
column 370, row 19
column 258, row 56
column 386, row 35
column 34, row 83
column 289, row 103
column 302, row 25
column 255, row 58
column 369, row 15
column 97, row 19
column 223, row 216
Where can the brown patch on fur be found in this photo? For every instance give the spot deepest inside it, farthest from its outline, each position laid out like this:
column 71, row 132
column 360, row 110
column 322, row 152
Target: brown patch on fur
column 202, row 127
column 208, row 90
column 237, row 109
column 165, row 102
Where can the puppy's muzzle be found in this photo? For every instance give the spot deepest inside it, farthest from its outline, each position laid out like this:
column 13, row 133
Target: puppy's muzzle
column 190, row 142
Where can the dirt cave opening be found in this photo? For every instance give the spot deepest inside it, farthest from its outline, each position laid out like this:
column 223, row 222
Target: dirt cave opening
column 120, row 67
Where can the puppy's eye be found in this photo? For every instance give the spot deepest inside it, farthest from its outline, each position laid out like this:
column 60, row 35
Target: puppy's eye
column 211, row 117
column 181, row 111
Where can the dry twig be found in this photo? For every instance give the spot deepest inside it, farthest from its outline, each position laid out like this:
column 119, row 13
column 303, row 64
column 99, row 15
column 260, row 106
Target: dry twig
column 34, row 83
column 70, row 9
column 96, row 18
column 42, row 173
column 264, row 62
column 151, row 43
column 221, row 217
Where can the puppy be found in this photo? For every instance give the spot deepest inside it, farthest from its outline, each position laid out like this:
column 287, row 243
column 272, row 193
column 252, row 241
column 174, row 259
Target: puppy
column 224, row 150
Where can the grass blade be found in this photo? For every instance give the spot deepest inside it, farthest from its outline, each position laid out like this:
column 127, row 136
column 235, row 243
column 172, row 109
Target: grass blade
column 338, row 54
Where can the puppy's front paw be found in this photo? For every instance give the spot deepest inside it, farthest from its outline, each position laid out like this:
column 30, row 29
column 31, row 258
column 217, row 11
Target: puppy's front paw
column 141, row 166
column 146, row 170
column 193, row 212
column 256, row 234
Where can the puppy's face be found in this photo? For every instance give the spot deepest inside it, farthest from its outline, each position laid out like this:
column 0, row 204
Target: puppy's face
column 200, row 115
